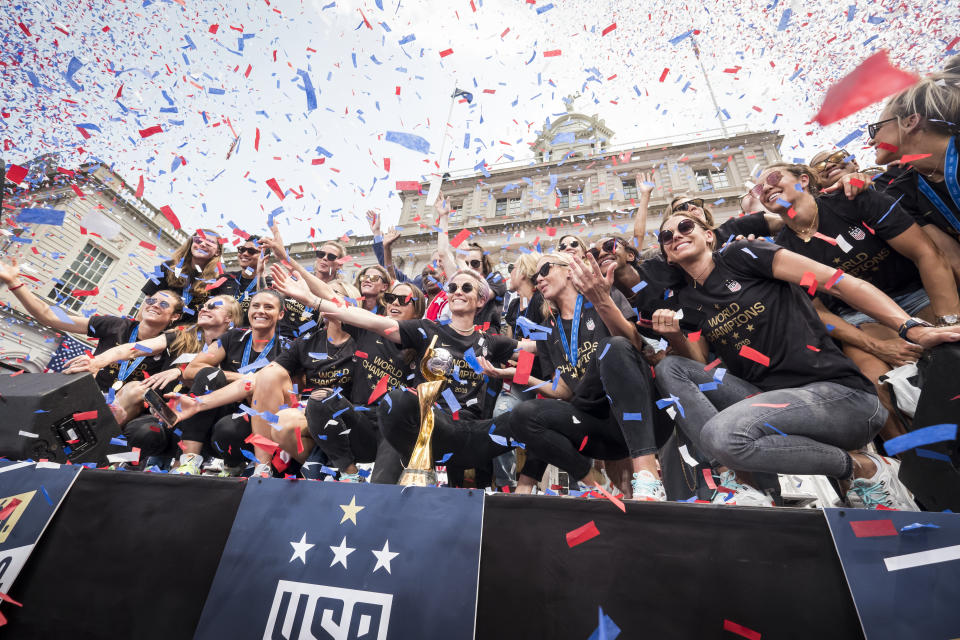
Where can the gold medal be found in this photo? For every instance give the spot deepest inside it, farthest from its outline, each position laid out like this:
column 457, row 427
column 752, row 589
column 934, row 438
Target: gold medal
column 116, row 386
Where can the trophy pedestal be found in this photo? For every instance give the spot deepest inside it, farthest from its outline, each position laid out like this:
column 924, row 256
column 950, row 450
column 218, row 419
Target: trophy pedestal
column 418, row 478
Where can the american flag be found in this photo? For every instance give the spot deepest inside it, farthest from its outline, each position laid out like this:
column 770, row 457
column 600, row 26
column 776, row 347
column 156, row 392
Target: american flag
column 69, row 349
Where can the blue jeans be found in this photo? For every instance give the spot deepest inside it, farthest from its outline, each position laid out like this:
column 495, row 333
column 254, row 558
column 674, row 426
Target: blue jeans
column 505, row 465
column 913, row 303
column 808, row 433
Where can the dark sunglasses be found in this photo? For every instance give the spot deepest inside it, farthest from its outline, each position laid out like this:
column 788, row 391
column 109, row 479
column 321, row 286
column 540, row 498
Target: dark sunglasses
column 773, row 180
column 466, row 287
column 332, row 257
column 834, row 158
column 392, row 298
column 686, row 204
column 163, row 304
column 213, row 304
column 510, row 268
column 874, row 129
column 573, row 245
column 544, row 271
column 609, row 245
column 684, row 228
column 475, row 264
column 251, row 251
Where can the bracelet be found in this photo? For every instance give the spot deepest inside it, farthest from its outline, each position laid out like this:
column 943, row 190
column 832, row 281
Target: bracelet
column 14, row 288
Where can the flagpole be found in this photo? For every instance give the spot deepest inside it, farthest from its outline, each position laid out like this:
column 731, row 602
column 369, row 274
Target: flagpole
column 706, row 78
column 443, row 141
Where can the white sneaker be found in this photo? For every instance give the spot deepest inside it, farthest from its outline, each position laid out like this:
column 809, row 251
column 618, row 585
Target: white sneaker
column 647, row 486
column 189, row 465
column 739, row 494
column 884, row 488
column 263, row 470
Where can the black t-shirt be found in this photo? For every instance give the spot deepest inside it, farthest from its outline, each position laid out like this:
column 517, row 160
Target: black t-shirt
column 905, row 185
column 492, row 311
column 467, row 385
column 114, row 330
column 533, row 313
column 235, row 341
column 324, row 364
column 658, row 282
column 859, row 252
column 744, row 225
column 747, row 307
column 294, row 311
column 582, row 377
column 192, row 302
column 375, row 357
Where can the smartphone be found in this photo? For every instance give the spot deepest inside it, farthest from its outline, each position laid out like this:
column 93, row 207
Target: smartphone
column 159, row 408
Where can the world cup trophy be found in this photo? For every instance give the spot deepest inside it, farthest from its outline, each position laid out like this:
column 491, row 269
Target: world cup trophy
column 435, row 365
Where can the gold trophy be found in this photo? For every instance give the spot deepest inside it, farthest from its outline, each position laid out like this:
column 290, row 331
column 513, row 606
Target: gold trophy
column 435, row 365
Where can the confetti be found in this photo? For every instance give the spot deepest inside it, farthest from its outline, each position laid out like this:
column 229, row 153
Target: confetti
column 752, row 354
column 920, row 437
column 409, row 141
column 873, row 528
column 740, row 630
column 582, row 534
column 873, row 80
column 524, row 365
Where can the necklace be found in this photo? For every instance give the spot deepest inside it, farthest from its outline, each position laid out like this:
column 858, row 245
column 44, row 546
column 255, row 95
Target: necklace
column 697, row 277
column 802, row 233
column 462, row 332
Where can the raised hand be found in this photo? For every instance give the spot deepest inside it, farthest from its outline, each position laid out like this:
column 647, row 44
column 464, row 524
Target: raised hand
column 162, row 379
column 289, row 283
column 589, row 280
column 442, row 205
column 644, row 183
column 853, row 184
column 275, row 244
column 9, row 273
column 373, row 219
column 391, row 236
column 185, row 406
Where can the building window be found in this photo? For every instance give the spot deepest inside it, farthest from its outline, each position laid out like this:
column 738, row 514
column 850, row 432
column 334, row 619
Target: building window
column 508, row 207
column 85, row 273
column 708, row 180
column 564, row 201
column 630, row 189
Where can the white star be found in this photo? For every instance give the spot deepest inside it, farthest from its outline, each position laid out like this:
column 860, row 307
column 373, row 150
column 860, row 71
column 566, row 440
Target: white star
column 384, row 556
column 340, row 553
column 300, row 549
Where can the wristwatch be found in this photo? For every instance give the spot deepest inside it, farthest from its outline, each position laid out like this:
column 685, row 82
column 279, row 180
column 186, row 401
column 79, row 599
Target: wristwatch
column 910, row 324
column 951, row 319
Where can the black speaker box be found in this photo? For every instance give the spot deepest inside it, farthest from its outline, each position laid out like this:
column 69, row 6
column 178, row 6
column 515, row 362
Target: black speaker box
column 42, row 405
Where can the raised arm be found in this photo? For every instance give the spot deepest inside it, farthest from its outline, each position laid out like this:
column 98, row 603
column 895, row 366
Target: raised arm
column 318, row 286
column 861, row 295
column 186, row 406
column 40, row 310
column 586, row 277
column 119, row 353
column 644, row 188
column 447, row 259
column 292, row 286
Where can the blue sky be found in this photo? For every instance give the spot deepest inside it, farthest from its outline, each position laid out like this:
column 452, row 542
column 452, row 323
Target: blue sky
column 770, row 63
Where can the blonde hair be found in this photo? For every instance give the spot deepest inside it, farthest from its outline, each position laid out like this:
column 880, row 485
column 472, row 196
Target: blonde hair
column 527, row 263
column 346, row 289
column 707, row 213
column 184, row 254
column 190, row 339
column 935, row 98
column 339, row 245
column 549, row 309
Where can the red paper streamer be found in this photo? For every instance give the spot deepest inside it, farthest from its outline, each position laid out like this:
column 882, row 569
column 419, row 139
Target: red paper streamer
column 16, row 173
column 809, row 281
column 551, row 54
column 147, row 245
column 460, row 237
column 583, row 444
column 262, row 442
column 85, row 415
column 740, row 630
column 873, row 528
column 149, row 131
column 524, row 365
column 752, row 354
column 582, row 534
column 663, row 76
column 445, row 53
column 873, row 80
column 214, row 285
column 708, row 478
column 892, row 148
column 170, row 216
column 914, row 157
column 608, row 29
column 139, row 192
column 834, row 278
column 272, row 183
column 408, row 185
column 712, row 365
column 379, row 390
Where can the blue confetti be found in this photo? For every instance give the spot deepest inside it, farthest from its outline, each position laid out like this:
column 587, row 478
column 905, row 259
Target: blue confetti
column 308, row 89
column 683, row 36
column 409, row 141
column 41, row 216
column 73, row 66
column 927, row 435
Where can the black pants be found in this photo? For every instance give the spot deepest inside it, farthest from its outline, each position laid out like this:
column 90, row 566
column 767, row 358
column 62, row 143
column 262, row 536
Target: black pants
column 563, row 434
column 348, row 435
column 468, row 441
column 217, row 426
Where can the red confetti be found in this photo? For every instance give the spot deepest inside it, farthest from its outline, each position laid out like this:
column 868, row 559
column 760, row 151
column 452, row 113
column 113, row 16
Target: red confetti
column 892, row 148
column 85, row 415
column 813, row 348
column 140, row 186
column 77, row 191
column 695, row 336
column 834, row 278
column 445, row 53
column 23, row 28
column 460, row 237
column 712, row 365
column 214, row 285
column 616, row 501
column 149, row 131
column 16, row 173
column 79, row 293
column 809, row 281
column 386, row 164
column 299, row 440
column 524, row 364
column 582, row 534
column 913, row 157
column 663, row 76
column 857, row 182
column 262, row 442
column 608, row 29
column 147, row 245
column 360, row 354
column 318, row 161
column 213, row 28
column 272, row 183
column 708, row 478
column 379, row 390
column 256, row 140
column 551, row 54
column 170, row 216
column 583, row 444
column 407, row 185
column 873, row 80
column 873, row 528
column 953, row 42
column 752, row 354
column 741, row 630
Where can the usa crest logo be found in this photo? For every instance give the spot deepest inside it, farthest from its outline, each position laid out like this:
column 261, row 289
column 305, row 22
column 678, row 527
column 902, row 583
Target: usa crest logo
column 733, row 285
column 857, row 233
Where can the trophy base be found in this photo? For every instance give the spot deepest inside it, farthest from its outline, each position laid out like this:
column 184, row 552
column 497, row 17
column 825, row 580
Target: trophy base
column 418, row 478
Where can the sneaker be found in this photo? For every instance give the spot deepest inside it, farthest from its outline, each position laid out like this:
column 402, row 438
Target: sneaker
column 189, row 465
column 729, row 491
column 647, row 487
column 350, row 477
column 263, row 470
column 884, row 488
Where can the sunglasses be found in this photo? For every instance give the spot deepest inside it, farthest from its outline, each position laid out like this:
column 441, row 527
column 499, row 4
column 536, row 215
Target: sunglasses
column 210, row 306
column 392, row 298
column 684, row 206
column 573, row 245
column 510, row 268
column 544, row 271
column 466, row 287
column 773, row 180
column 373, row 277
column 250, row 251
column 332, row 257
column 475, row 264
column 834, row 158
column 684, row 228
column 609, row 245
column 874, row 129
column 163, row 304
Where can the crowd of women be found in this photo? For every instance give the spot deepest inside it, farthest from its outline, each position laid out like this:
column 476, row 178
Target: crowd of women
column 753, row 348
